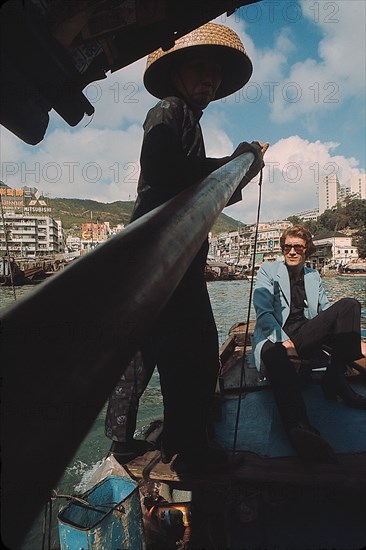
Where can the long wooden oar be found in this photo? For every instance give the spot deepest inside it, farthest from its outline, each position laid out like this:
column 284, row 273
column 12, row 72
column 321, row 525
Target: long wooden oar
column 64, row 346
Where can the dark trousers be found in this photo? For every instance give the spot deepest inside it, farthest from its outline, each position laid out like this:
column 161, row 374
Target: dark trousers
column 338, row 328
column 185, row 345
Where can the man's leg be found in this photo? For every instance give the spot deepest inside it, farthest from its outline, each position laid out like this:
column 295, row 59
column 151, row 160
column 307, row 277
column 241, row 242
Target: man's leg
column 285, row 384
column 187, row 353
column 339, row 327
column 286, row 387
column 120, row 420
column 188, row 363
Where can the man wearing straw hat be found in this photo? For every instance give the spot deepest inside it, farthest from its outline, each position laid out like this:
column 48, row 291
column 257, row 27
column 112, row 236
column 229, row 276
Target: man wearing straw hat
column 207, row 64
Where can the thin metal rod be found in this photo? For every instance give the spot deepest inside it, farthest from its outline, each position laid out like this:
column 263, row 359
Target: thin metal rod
column 243, row 358
column 65, row 345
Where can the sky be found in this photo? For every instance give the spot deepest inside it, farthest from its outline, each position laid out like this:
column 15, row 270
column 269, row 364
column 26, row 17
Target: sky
column 306, row 97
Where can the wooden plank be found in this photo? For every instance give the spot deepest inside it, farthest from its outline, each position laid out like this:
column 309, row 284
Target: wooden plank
column 348, row 474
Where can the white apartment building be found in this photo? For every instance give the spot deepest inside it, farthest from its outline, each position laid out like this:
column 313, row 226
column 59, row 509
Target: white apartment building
column 328, row 192
column 343, row 193
column 358, row 186
column 31, row 236
column 308, row 215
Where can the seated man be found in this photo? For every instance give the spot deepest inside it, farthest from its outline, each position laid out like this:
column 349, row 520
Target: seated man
column 294, row 319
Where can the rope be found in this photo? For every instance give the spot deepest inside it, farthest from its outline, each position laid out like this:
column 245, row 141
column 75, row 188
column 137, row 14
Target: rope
column 242, row 370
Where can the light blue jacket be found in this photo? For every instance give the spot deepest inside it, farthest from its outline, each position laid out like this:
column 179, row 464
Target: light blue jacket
column 272, row 297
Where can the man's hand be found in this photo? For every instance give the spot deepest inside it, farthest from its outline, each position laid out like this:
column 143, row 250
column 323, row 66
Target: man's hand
column 258, row 149
column 290, row 349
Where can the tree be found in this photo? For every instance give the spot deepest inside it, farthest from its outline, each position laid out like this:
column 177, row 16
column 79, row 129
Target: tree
column 359, row 240
column 295, row 220
column 355, row 211
column 328, row 220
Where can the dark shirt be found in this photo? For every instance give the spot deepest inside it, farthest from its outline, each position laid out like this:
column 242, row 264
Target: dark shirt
column 173, row 155
column 172, row 158
column 296, row 319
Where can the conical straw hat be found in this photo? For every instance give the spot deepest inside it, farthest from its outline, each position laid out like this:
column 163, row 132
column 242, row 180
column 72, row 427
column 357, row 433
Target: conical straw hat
column 227, row 47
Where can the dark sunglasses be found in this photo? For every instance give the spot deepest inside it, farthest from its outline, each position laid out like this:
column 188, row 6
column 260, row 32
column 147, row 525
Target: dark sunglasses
column 297, row 247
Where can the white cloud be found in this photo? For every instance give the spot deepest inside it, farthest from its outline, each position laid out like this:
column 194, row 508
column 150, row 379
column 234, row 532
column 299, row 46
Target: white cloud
column 121, row 98
column 285, row 41
column 268, row 63
column 88, row 163
column 217, row 142
column 312, row 85
column 290, row 178
column 343, row 47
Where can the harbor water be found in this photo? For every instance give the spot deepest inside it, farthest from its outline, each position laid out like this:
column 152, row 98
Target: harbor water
column 230, row 301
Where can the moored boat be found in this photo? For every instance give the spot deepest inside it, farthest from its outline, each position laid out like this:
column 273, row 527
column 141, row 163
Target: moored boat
column 10, row 273
column 355, row 269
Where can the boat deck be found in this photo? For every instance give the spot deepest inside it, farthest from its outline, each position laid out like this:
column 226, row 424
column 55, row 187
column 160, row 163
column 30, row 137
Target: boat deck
column 349, row 474
column 268, row 497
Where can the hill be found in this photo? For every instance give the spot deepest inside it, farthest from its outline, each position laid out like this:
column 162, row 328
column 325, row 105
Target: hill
column 74, row 212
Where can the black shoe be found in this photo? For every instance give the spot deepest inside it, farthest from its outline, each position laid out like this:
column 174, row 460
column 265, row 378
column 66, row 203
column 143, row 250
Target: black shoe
column 309, row 445
column 125, row 451
column 205, row 461
column 166, row 453
column 334, row 386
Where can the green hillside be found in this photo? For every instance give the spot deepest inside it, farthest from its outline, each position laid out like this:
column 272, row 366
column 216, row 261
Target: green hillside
column 74, row 212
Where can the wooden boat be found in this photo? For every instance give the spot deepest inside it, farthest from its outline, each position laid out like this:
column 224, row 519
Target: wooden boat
column 353, row 269
column 269, row 497
column 11, row 274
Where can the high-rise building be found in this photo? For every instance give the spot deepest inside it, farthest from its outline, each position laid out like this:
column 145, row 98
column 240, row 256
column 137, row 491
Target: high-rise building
column 343, row 193
column 328, row 192
column 358, row 186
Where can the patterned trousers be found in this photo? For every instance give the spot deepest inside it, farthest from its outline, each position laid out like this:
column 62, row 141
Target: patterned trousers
column 120, row 420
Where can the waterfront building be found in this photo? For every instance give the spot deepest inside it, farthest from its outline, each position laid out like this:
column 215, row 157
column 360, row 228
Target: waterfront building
column 26, row 228
column 30, row 235
column 73, row 243
column 358, row 186
column 237, row 247
column 334, row 248
column 116, row 229
column 92, row 234
column 268, row 245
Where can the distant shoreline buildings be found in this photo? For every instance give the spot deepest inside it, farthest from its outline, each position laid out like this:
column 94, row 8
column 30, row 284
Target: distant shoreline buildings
column 28, row 230
column 236, row 248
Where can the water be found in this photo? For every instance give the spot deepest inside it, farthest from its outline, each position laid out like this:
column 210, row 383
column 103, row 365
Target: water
column 230, row 304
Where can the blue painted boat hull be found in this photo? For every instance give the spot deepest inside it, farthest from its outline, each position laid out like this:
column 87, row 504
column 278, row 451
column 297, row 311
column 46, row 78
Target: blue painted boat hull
column 111, row 519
